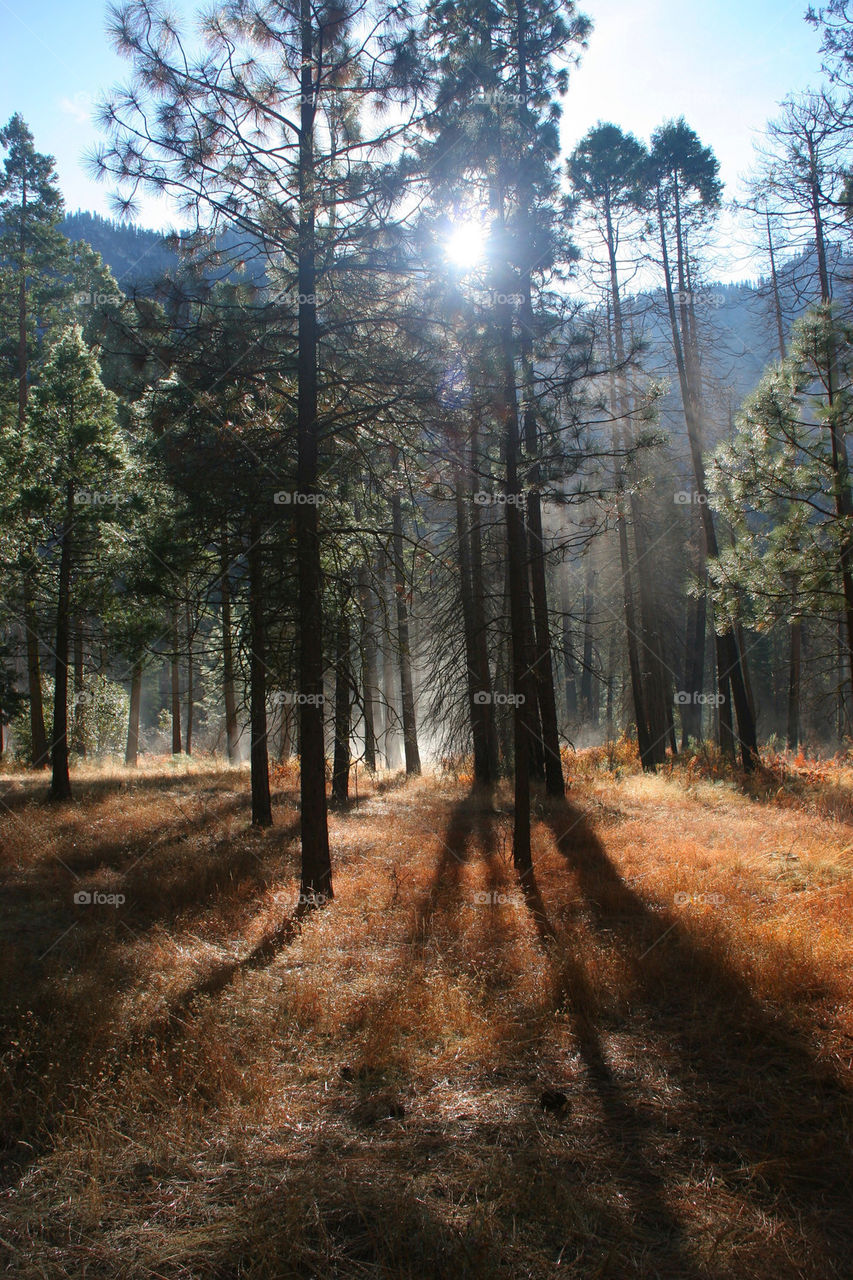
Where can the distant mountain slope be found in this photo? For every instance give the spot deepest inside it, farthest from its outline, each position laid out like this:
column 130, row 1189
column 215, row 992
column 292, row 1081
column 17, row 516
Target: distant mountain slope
column 136, row 256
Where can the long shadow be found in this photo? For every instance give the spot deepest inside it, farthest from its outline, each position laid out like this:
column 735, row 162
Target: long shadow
column 795, row 1123
column 644, row 1185
column 153, row 894
column 34, row 786
column 426, row 1246
column 470, row 816
column 167, row 1026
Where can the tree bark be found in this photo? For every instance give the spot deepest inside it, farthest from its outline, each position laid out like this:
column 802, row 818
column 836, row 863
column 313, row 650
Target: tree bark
column 794, row 677
column 316, row 880
column 589, row 682
column 480, row 707
column 730, row 667
column 60, row 783
column 131, row 755
column 78, row 724
column 258, row 754
column 38, row 733
column 190, row 688
column 176, row 686
column 410, row 732
column 342, row 757
column 228, row 691
column 369, row 676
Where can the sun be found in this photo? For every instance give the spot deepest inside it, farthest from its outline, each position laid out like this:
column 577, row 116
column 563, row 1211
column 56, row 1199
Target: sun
column 465, row 245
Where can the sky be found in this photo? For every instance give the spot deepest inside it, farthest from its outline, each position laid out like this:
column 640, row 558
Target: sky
column 724, row 64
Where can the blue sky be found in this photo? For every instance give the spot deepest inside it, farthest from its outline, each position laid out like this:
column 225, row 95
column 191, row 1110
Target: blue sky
column 724, row 64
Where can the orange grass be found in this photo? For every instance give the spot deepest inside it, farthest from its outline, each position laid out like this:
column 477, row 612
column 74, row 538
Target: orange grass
column 193, row 1087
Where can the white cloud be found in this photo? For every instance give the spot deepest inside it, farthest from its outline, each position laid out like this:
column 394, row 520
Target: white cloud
column 80, row 107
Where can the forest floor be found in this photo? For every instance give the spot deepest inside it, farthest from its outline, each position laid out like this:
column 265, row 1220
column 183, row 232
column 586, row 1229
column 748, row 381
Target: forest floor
column 642, row 1069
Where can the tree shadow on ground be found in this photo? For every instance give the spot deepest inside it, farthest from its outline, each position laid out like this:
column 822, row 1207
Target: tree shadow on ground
column 794, row 1123
column 763, row 1149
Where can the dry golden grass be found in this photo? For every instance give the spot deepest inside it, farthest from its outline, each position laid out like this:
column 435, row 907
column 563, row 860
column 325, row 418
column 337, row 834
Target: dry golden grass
column 197, row 1089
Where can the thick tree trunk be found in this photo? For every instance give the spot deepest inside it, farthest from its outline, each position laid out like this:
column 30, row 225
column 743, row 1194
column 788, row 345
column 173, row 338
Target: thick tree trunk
column 316, row 881
column 131, row 755
column 258, row 754
column 60, row 783
column 523, row 688
column 228, row 691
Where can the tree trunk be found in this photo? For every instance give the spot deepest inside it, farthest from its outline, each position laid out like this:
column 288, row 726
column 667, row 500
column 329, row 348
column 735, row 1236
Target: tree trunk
column 480, row 706
column 60, row 784
column 730, row 666
column 478, row 605
column 342, row 758
column 569, row 674
column 316, row 881
column 389, row 700
column 131, row 755
column 231, row 734
column 176, row 686
column 38, row 733
column 410, row 732
column 516, row 545
column 78, row 724
column 694, row 667
column 190, row 689
column 589, row 682
column 618, row 413
column 369, row 676
column 793, row 732
column 261, row 804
